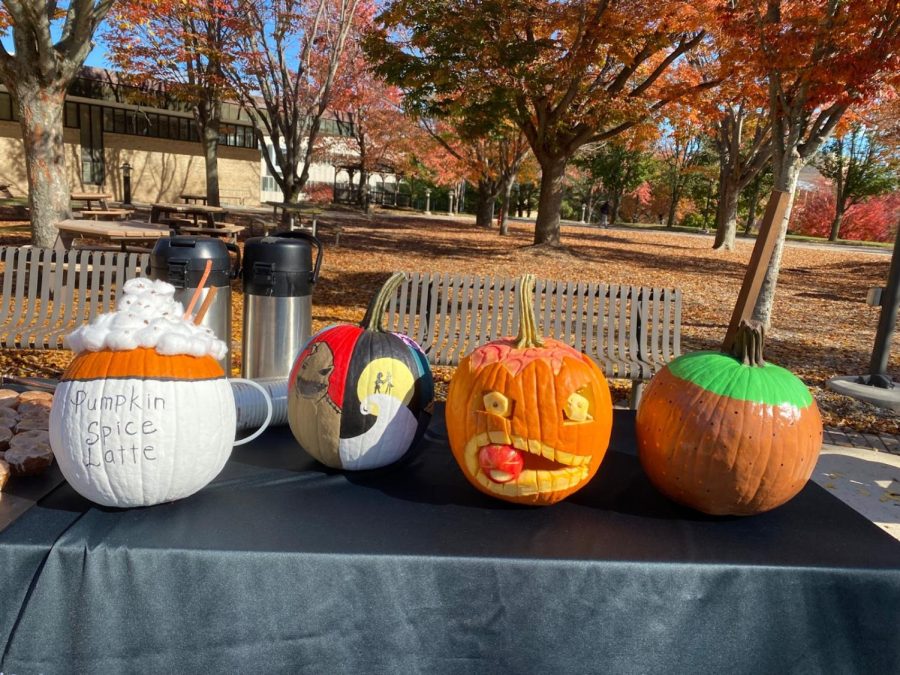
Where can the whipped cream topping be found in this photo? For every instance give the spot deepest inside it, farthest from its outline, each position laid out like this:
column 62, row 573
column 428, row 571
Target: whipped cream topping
column 147, row 315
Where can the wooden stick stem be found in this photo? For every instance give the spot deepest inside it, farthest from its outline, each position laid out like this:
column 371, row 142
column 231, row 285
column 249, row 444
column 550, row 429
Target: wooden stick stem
column 207, row 301
column 196, row 296
column 769, row 230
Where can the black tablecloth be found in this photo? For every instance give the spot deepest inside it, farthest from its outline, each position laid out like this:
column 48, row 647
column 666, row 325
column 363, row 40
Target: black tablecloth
column 282, row 565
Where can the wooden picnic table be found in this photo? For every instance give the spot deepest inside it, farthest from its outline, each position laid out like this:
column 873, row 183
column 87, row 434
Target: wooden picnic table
column 89, row 198
column 317, row 218
column 121, row 232
column 106, row 214
column 162, row 212
column 224, row 230
column 295, row 214
column 193, row 198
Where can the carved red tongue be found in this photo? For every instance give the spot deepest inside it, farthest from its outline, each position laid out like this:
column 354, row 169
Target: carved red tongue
column 500, row 463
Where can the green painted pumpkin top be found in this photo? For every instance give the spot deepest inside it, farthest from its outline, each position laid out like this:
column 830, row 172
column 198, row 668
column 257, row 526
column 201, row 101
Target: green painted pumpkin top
column 726, row 376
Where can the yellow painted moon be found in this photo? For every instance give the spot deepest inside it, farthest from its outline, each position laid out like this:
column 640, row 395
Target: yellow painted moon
column 386, row 376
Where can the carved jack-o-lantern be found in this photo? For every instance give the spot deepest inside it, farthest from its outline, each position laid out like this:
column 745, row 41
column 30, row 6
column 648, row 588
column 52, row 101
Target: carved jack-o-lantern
column 528, row 419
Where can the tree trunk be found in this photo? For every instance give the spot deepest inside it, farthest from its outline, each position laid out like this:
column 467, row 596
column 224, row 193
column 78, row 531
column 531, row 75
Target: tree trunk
column 614, row 204
column 291, row 191
column 364, row 195
column 836, row 223
column 210, row 140
column 484, row 208
column 787, row 172
column 505, row 206
column 546, row 227
column 726, row 213
column 751, row 208
column 41, row 115
column 673, row 207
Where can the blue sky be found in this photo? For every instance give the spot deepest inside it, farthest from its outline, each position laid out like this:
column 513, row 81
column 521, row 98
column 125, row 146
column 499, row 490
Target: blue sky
column 96, row 58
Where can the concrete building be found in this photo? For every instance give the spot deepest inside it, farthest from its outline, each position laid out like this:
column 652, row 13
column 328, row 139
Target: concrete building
column 108, row 123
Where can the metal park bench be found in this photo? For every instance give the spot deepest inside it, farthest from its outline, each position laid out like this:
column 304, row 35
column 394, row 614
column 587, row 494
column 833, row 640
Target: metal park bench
column 629, row 331
column 46, row 294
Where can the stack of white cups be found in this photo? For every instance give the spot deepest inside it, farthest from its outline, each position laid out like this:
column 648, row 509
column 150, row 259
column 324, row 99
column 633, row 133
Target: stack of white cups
column 251, row 405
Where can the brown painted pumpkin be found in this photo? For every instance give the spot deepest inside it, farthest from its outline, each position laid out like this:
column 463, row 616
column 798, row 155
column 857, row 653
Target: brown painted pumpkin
column 728, row 433
column 528, row 418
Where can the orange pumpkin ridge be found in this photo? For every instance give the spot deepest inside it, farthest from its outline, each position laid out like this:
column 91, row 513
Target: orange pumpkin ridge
column 722, row 455
column 141, row 363
column 518, row 394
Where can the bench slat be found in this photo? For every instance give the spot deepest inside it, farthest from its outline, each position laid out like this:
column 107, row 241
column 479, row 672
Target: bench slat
column 59, row 303
column 629, row 331
column 40, row 322
column 47, row 294
column 421, row 296
column 654, row 326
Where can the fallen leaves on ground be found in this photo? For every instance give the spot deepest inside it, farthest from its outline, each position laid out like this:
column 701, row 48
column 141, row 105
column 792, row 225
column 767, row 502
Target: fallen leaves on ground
column 822, row 326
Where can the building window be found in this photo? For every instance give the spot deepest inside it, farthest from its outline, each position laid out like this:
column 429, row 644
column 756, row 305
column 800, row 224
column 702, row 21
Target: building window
column 93, row 169
column 70, row 118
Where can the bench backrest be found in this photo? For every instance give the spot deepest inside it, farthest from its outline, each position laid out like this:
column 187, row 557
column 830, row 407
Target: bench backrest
column 630, row 331
column 45, row 294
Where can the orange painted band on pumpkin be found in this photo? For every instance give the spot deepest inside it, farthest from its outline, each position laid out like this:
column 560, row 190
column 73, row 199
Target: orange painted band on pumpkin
column 142, row 363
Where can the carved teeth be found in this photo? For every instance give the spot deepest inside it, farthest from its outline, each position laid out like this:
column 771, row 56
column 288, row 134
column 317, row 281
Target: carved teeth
column 529, row 481
column 569, row 459
column 532, row 447
column 498, row 437
column 500, row 476
column 532, row 482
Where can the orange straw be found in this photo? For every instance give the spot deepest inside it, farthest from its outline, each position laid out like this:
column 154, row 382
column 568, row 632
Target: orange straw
column 207, row 301
column 196, row 296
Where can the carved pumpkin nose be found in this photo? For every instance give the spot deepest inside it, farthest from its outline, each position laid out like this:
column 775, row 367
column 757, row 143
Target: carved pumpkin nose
column 497, row 428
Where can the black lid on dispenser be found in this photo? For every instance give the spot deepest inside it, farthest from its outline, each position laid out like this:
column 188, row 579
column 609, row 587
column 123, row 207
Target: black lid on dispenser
column 281, row 265
column 181, row 261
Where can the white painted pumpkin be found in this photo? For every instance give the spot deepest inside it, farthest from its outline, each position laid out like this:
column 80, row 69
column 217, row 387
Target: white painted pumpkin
column 135, row 428
column 144, row 413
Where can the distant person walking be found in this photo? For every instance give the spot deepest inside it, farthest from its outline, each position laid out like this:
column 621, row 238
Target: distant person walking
column 604, row 214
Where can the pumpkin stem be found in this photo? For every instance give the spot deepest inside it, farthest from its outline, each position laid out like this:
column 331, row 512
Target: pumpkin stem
column 378, row 304
column 528, row 334
column 748, row 343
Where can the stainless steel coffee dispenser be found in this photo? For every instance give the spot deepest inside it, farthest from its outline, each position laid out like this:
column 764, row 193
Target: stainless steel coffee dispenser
column 181, row 261
column 278, row 277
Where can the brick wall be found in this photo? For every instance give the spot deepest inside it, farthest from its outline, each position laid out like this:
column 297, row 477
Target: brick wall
column 12, row 157
column 162, row 169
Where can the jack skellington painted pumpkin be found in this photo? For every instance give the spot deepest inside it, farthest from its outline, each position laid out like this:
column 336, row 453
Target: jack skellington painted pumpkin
column 528, row 418
column 360, row 397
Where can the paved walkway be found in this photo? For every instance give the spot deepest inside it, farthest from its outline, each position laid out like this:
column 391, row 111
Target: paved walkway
column 854, row 439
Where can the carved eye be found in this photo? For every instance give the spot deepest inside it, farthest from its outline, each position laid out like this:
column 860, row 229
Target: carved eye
column 577, row 408
column 497, row 404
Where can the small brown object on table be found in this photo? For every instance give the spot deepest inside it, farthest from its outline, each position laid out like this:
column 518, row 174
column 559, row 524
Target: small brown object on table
column 29, row 459
column 120, row 232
